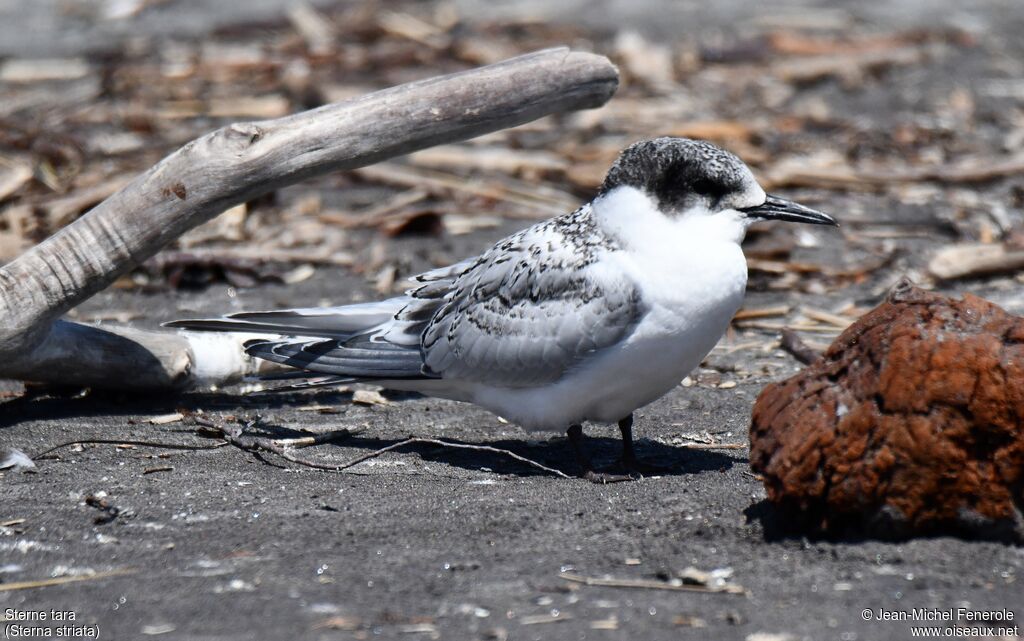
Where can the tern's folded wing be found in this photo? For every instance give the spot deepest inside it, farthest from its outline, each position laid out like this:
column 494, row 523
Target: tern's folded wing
column 532, row 308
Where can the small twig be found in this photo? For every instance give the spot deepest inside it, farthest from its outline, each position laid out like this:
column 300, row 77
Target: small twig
column 792, row 343
column 42, row 583
column 650, row 585
column 802, row 327
column 109, row 441
column 714, row 446
column 464, row 446
column 283, row 447
column 761, row 312
column 821, row 316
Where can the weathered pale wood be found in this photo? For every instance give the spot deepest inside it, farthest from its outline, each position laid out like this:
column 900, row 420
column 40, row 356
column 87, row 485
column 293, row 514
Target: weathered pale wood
column 134, row 359
column 240, row 162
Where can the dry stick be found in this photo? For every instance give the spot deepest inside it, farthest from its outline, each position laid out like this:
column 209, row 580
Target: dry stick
column 233, row 165
column 649, row 585
column 792, row 343
column 111, row 441
column 463, row 446
column 305, row 441
column 975, row 170
column 280, row 447
column 714, row 446
column 974, row 259
column 42, row 583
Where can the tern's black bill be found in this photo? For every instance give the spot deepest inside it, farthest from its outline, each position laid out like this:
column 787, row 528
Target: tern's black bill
column 775, row 208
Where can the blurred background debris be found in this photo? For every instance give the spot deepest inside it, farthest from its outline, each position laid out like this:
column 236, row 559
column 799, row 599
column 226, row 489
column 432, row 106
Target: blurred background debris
column 911, row 133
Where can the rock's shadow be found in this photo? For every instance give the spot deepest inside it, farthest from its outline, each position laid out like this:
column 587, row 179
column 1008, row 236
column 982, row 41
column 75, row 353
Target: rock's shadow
column 775, row 525
column 779, row 524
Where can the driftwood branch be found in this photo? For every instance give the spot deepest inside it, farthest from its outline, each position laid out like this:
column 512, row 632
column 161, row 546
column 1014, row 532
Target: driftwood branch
column 233, row 165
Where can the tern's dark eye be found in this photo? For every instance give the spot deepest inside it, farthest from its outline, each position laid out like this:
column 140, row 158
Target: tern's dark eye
column 705, row 187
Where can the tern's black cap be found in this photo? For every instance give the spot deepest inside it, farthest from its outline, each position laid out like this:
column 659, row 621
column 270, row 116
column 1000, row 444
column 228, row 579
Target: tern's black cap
column 678, row 171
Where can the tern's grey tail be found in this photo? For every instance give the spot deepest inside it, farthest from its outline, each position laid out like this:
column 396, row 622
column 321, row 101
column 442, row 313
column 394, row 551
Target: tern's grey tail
column 357, row 359
column 325, row 322
column 378, row 341
column 351, row 343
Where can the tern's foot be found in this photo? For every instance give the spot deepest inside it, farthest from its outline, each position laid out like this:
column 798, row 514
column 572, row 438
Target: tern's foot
column 607, row 477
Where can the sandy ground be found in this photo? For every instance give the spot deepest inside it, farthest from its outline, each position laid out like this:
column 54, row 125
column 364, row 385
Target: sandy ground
column 427, row 543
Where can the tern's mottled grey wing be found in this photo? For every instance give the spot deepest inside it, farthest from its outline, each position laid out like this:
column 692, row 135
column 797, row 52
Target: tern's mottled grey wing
column 388, row 348
column 531, row 308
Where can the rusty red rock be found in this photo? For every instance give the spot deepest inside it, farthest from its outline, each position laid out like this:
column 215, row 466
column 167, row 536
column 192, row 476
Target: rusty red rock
column 912, row 423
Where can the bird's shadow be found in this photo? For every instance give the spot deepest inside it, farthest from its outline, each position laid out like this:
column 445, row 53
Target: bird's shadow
column 556, row 453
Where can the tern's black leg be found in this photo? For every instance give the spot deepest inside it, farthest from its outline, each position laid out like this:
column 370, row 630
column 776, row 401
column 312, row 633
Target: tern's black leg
column 575, row 434
column 628, row 455
column 629, row 459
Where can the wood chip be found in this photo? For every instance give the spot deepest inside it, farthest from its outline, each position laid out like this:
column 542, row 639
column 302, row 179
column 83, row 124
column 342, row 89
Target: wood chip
column 41, row 70
column 13, row 175
column 164, row 419
column 273, row 106
column 717, row 130
column 800, row 327
column 644, row 60
column 339, row 623
column 537, row 619
column 315, row 28
column 228, row 226
column 65, row 209
column 490, row 159
column 971, row 170
column 962, row 261
column 684, row 621
column 322, row 409
column 822, row 316
column 299, row 274
column 543, row 202
column 369, row 397
column 761, row 312
column 413, row 28
column 379, row 214
column 460, row 224
column 850, row 68
column 611, row 623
